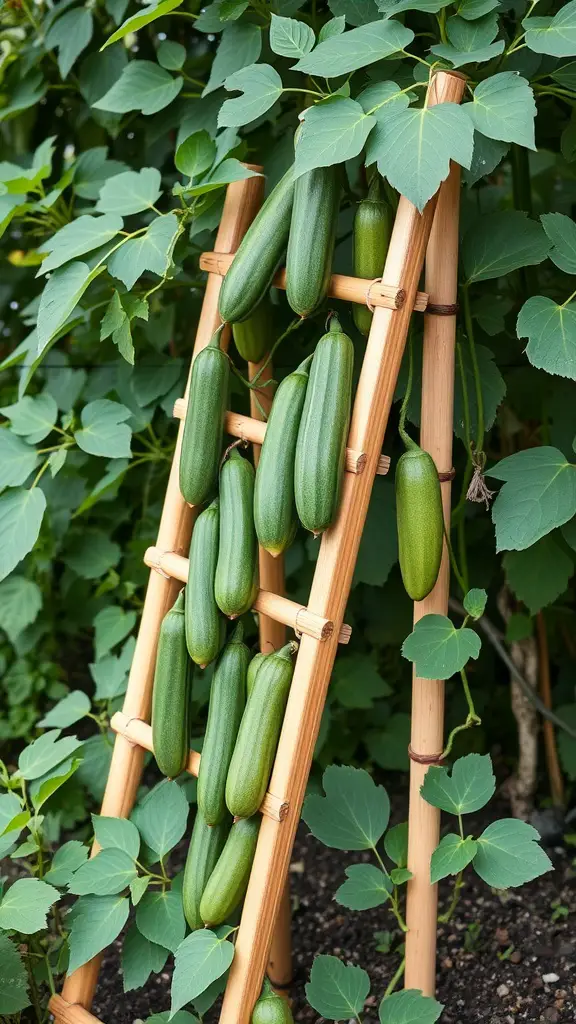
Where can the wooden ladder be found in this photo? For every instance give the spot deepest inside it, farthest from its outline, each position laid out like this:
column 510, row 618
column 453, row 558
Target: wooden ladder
column 320, row 624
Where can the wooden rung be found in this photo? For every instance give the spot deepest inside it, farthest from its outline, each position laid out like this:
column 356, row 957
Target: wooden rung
column 140, row 733
column 350, row 289
column 70, row 1013
column 250, row 429
column 275, row 607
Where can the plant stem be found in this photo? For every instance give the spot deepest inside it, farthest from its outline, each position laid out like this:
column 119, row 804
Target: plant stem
column 469, row 324
column 447, row 915
column 472, row 718
column 394, row 907
column 395, row 978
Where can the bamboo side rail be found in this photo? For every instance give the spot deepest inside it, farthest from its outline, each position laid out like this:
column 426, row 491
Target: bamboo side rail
column 328, row 597
column 71, row 1013
column 427, row 734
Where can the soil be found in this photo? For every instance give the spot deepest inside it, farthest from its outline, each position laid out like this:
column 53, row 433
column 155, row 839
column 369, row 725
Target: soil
column 504, row 957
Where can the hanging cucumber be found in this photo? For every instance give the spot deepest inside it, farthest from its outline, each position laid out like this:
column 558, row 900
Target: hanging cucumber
column 228, row 882
column 206, row 845
column 372, row 227
column 258, row 255
column 274, row 508
column 323, row 432
column 271, row 1008
column 227, row 702
column 257, row 740
column 171, row 693
column 253, row 337
column 235, row 584
column 203, row 618
column 312, row 238
column 204, row 424
column 252, row 670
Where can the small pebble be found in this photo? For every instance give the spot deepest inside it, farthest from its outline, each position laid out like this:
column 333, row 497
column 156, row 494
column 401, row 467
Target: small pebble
column 502, row 991
column 516, row 957
column 551, row 1014
column 549, row 979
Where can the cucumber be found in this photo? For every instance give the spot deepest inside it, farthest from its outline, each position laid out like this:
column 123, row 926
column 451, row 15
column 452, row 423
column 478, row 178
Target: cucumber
column 419, row 521
column 206, row 845
column 312, row 238
column 252, row 670
column 271, row 1008
column 203, row 618
column 257, row 740
column 321, row 445
column 227, row 702
column 228, row 882
column 204, row 423
column 171, row 693
column 372, row 227
column 253, row 337
column 235, row 585
column 274, row 508
column 258, row 255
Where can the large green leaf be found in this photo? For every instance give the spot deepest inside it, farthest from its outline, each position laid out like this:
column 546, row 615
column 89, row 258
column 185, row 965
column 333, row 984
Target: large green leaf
column 356, row 49
column 451, row 855
column 63, row 291
column 470, row 786
column 21, row 514
column 290, row 38
column 91, row 554
column 240, row 46
column 117, row 833
column 32, row 418
column 196, row 153
column 486, row 156
column 503, row 108
column 337, row 991
column 70, row 34
column 13, row 979
column 104, row 430
column 508, row 854
column 540, row 573
column 143, row 18
column 470, row 42
column 140, row 958
column 66, row 860
column 97, row 921
column 43, row 788
column 438, row 649
column 409, row 1007
column 130, row 191
column 25, row 905
column 260, row 85
column 539, row 494
column 561, row 231
column 200, row 960
column 106, row 874
column 161, row 817
column 20, row 602
column 551, row 332
column 356, row 12
column 501, row 242
column 366, row 887
column 472, row 9
column 45, row 753
column 331, row 132
column 555, row 36
column 151, row 251
column 80, row 236
column 160, row 918
column 17, row 460
column 379, row 544
column 391, row 7
column 74, row 706
column 353, row 814
column 112, row 625
column 143, row 86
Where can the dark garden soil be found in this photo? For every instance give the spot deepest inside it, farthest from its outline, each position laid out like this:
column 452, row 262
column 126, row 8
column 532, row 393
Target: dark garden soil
column 503, row 958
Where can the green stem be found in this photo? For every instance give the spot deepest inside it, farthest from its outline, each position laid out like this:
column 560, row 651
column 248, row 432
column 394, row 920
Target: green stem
column 469, row 324
column 409, row 444
column 441, row 18
column 291, row 327
column 453, row 561
column 394, row 906
column 309, row 92
column 447, row 915
column 395, row 978
column 472, row 719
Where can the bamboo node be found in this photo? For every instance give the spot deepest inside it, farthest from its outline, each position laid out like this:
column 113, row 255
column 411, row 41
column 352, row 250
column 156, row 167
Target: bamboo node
column 449, row 475
column 399, row 298
column 442, row 309
column 425, row 758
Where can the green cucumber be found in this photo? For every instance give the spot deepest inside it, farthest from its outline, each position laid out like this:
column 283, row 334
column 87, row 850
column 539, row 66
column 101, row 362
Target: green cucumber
column 258, row 255
column 253, row 337
column 321, row 445
column 257, row 740
column 419, row 520
column 206, row 845
column 312, row 238
column 235, row 583
column 203, row 618
column 252, row 670
column 372, row 227
column 228, row 882
column 171, row 693
column 227, row 702
column 271, row 1008
column 274, row 508
column 204, row 423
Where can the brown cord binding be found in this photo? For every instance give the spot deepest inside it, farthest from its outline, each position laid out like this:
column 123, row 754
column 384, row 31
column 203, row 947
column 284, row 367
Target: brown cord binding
column 425, row 758
column 447, row 476
column 439, row 309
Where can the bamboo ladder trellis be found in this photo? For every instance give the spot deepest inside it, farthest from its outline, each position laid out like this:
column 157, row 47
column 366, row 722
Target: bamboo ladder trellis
column 320, row 624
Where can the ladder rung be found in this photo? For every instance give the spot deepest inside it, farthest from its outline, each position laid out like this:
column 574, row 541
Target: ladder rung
column 253, row 430
column 140, row 733
column 351, row 289
column 70, row 1013
column 275, row 607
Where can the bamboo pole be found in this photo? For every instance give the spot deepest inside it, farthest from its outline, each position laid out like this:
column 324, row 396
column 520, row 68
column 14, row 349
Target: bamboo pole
column 551, row 750
column 243, row 199
column 328, row 597
column 428, row 694
column 71, row 1013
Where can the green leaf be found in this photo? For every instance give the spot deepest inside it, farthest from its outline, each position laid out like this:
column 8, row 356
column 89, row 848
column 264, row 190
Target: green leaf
column 555, row 36
column 56, row 461
column 518, row 627
column 356, row 12
column 501, row 242
column 475, row 602
column 142, row 18
column 460, row 58
column 503, row 108
column 231, row 10
column 96, row 756
column 399, row 876
column 240, row 46
column 396, row 844
column 91, row 554
column 353, row 814
column 199, row 961
column 566, row 75
column 472, row 9
column 66, row 712
column 70, row 34
column 551, row 332
column 409, row 1007
column 33, row 418
column 171, row 55
column 561, row 231
column 223, row 174
column 470, row 786
column 138, row 887
column 366, row 887
column 140, row 958
column 10, row 809
column 151, row 251
column 355, row 49
column 106, row 874
column 130, row 192
column 20, row 602
column 540, row 573
column 63, row 291
column 66, row 860
column 508, row 854
column 260, row 86
column 43, row 788
column 539, row 494
column 451, row 855
column 331, row 132
column 117, row 833
column 392, row 7
column 21, row 514
column 335, row 990
column 92, row 169
column 470, row 41
column 45, row 753
column 143, row 86
column 25, row 905
column 17, row 460
column 97, row 921
column 196, row 154
column 486, row 156
column 104, row 431
column 80, row 236
column 356, row 682
column 152, row 378
column 160, row 918
column 161, row 817
column 112, row 625
column 290, row 38
column 113, row 476
column 27, row 94
column 336, row 26
column 13, row 979
column 438, row 649
column 417, row 146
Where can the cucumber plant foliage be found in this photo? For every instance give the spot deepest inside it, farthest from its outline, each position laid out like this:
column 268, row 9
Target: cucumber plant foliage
column 121, row 127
